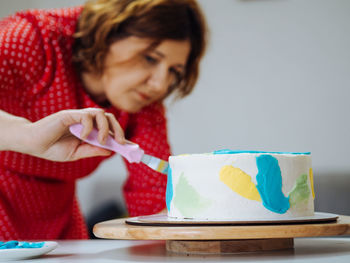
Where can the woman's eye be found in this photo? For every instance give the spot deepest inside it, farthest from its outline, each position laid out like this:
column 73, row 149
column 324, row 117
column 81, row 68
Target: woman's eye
column 150, row 59
column 177, row 75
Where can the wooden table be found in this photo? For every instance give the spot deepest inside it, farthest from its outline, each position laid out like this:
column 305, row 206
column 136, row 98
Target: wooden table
column 306, row 250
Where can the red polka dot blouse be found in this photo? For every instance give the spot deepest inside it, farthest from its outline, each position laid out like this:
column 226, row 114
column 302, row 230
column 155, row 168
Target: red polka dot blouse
column 37, row 78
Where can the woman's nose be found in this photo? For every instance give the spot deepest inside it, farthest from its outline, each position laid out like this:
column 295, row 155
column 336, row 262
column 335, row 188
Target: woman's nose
column 159, row 79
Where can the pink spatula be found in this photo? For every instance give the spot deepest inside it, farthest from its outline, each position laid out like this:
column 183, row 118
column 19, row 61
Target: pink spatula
column 130, row 151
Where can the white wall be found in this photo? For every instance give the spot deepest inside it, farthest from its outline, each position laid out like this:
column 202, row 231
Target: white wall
column 276, row 77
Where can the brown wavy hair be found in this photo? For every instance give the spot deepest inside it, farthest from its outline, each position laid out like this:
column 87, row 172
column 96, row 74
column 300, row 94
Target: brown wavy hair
column 103, row 22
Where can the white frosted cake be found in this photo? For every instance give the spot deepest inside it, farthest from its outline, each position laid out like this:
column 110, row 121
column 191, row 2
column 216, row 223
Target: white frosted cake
column 240, row 185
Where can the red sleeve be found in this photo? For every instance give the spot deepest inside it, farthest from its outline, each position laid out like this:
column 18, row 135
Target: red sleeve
column 22, row 62
column 144, row 190
column 32, row 68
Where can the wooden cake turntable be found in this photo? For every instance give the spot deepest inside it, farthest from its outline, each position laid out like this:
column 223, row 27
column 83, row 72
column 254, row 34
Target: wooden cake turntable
column 196, row 237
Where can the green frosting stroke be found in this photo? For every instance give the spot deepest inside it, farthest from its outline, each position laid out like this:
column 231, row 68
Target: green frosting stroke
column 300, row 192
column 187, row 200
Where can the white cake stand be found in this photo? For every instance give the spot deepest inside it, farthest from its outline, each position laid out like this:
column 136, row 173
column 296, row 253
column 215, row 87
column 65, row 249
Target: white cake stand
column 224, row 236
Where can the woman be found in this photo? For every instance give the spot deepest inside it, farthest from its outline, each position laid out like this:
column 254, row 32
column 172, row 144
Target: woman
column 108, row 64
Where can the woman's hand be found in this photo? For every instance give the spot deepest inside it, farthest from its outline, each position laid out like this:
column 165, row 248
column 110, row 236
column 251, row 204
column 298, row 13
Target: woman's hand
column 50, row 138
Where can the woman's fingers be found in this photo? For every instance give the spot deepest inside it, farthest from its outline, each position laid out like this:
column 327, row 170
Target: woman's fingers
column 53, row 141
column 88, row 124
column 116, row 128
column 104, row 122
column 102, row 126
column 86, row 150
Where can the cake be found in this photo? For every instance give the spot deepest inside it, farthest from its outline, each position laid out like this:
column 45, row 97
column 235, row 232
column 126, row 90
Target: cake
column 240, row 185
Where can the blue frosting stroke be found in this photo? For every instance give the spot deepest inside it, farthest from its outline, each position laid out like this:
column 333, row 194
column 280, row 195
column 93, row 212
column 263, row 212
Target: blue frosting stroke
column 169, row 189
column 20, row 244
column 269, row 184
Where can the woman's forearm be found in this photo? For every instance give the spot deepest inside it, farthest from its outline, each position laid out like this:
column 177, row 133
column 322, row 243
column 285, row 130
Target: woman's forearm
column 12, row 132
column 49, row 138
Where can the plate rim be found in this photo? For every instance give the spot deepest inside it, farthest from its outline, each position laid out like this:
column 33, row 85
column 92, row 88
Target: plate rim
column 164, row 219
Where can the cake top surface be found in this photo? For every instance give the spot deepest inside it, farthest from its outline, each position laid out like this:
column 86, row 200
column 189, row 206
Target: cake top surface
column 228, row 151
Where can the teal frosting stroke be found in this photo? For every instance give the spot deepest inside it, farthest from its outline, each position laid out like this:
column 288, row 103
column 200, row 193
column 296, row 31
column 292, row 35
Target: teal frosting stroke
column 228, row 151
column 269, row 184
column 169, row 189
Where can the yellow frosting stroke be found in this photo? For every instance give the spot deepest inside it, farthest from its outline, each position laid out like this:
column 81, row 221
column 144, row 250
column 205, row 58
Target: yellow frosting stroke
column 161, row 166
column 239, row 182
column 311, row 175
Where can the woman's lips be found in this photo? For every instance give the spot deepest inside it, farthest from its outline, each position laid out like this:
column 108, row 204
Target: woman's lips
column 143, row 96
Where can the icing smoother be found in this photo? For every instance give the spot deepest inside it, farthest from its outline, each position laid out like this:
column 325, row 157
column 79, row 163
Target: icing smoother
column 240, row 182
column 270, row 184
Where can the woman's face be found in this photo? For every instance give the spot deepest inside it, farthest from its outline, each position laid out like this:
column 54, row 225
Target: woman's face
column 135, row 76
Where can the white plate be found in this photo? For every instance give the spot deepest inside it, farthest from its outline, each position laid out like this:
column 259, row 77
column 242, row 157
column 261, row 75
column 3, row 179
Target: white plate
column 163, row 219
column 24, row 253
